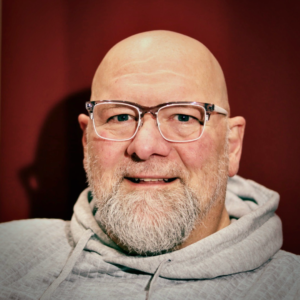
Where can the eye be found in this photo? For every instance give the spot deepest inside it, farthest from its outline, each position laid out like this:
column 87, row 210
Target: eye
column 120, row 118
column 183, row 118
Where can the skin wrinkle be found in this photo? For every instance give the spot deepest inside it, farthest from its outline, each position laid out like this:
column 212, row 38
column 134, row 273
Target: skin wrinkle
column 136, row 62
column 152, row 74
column 127, row 68
column 177, row 68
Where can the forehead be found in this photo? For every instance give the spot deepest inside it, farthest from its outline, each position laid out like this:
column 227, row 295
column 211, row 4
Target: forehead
column 150, row 82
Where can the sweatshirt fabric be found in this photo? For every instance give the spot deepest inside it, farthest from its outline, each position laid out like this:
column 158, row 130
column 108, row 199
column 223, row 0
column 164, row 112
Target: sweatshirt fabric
column 56, row 259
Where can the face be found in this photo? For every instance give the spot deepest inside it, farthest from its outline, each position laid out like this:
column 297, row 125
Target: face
column 152, row 194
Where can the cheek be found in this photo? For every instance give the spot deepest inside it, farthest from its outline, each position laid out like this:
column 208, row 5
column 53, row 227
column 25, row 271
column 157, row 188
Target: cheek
column 196, row 155
column 109, row 154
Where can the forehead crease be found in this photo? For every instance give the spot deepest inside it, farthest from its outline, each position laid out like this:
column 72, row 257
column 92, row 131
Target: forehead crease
column 135, row 62
column 151, row 76
column 151, row 64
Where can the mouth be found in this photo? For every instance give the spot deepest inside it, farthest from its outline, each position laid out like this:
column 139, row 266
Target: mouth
column 138, row 180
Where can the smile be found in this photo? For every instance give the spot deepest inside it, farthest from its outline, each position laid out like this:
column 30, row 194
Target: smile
column 150, row 180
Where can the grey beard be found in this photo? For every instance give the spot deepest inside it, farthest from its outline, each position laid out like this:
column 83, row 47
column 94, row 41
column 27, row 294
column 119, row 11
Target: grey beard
column 149, row 222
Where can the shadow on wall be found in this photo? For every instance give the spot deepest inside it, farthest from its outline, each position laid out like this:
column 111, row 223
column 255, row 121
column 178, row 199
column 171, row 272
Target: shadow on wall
column 56, row 177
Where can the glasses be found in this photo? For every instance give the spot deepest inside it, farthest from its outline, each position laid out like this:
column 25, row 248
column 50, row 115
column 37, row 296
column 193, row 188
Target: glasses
column 116, row 120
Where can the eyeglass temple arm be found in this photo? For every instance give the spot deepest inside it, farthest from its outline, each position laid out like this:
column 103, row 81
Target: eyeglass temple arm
column 212, row 107
column 220, row 110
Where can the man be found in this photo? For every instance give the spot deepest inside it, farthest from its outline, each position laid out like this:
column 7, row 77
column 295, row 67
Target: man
column 159, row 146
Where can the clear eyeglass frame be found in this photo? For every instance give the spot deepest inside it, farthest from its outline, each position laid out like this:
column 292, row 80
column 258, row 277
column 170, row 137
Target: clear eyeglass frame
column 209, row 109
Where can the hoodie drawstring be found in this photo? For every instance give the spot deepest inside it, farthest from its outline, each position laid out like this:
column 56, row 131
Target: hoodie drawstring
column 69, row 264
column 149, row 287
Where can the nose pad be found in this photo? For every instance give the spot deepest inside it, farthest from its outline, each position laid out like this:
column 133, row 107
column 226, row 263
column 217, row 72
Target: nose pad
column 148, row 112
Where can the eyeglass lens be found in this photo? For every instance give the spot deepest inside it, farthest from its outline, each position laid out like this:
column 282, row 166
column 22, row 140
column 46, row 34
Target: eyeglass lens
column 176, row 122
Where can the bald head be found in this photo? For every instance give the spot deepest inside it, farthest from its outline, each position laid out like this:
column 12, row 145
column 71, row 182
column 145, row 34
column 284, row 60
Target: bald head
column 152, row 64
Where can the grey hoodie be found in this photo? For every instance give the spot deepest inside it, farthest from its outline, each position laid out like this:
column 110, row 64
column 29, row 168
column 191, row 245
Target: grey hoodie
column 55, row 259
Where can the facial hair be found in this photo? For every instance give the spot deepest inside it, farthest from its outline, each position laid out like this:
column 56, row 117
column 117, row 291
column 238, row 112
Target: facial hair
column 153, row 221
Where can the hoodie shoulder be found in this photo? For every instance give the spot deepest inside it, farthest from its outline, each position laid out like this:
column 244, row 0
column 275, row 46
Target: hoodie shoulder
column 27, row 244
column 31, row 232
column 287, row 260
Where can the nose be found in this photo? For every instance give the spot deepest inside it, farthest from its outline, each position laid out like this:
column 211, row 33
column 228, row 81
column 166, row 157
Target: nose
column 148, row 140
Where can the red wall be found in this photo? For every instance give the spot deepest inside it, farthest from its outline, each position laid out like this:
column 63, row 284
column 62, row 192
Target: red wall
column 52, row 48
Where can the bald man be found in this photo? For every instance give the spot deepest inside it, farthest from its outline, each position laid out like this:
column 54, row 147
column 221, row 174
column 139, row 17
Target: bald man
column 160, row 219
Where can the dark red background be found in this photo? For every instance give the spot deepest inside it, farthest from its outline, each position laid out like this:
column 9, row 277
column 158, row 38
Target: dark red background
column 50, row 50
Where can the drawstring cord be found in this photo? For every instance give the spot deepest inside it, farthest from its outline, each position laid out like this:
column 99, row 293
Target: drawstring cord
column 69, row 264
column 149, row 287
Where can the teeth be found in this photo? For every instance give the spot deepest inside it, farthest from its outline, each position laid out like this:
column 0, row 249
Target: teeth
column 151, row 179
column 138, row 180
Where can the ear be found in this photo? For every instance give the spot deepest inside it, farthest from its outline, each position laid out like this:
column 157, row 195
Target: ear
column 235, row 143
column 83, row 122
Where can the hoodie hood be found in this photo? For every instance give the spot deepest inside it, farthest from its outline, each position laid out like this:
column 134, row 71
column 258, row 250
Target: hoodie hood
column 253, row 236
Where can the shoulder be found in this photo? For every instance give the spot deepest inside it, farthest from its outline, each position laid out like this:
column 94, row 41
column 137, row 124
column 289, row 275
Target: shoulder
column 27, row 243
column 282, row 273
column 284, row 265
column 31, row 231
column 32, row 253
column 287, row 260
column 31, row 224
